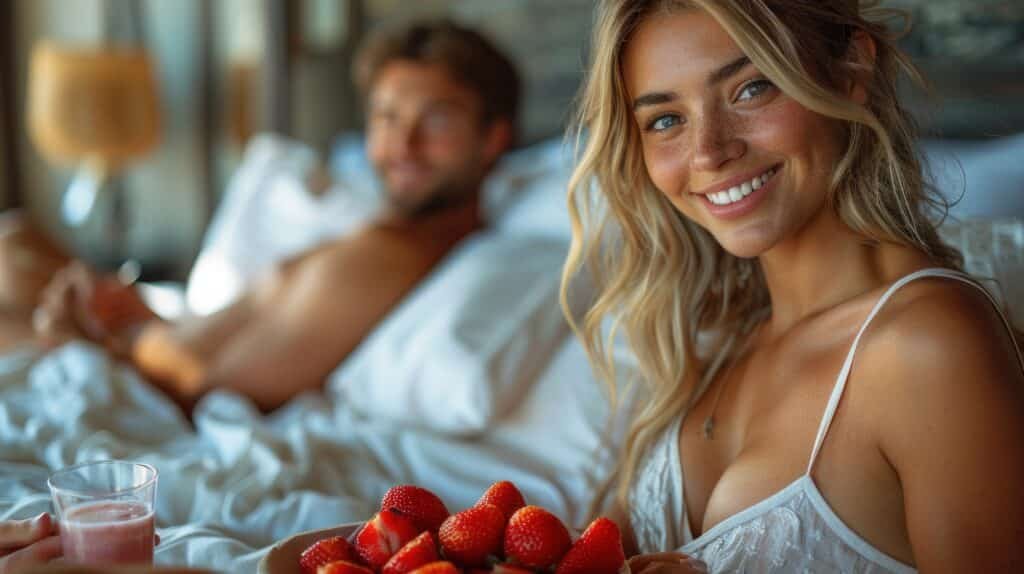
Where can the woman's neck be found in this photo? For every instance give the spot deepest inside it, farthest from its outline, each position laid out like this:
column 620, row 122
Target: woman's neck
column 824, row 265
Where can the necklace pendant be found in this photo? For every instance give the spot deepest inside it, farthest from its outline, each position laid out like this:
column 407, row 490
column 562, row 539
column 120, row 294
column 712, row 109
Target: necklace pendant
column 709, row 427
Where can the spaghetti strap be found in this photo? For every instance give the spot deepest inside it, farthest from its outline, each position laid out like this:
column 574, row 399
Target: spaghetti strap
column 844, row 374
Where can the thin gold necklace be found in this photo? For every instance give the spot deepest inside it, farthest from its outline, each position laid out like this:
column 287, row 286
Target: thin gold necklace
column 708, row 428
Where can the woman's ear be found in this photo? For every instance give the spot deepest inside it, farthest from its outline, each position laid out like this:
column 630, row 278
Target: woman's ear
column 863, row 52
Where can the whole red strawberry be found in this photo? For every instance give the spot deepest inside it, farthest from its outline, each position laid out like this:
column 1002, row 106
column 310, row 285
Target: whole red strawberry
column 324, row 551
column 598, row 551
column 441, row 567
column 423, row 506
column 505, row 496
column 535, row 538
column 420, row 551
column 343, row 567
column 386, row 533
column 470, row 536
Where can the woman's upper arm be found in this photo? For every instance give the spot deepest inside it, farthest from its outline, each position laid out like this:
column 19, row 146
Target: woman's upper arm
column 953, row 428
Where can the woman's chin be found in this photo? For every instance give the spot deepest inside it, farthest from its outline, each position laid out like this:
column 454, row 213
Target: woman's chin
column 744, row 247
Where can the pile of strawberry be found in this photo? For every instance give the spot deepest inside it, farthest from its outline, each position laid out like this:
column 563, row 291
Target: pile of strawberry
column 413, row 533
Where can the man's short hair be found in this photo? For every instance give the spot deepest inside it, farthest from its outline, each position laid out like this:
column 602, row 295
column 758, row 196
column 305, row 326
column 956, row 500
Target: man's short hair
column 469, row 57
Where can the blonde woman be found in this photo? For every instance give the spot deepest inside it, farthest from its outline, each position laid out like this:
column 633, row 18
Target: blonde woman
column 827, row 391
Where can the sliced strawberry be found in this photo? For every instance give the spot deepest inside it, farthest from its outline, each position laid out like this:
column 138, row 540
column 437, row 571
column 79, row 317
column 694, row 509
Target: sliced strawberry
column 386, row 533
column 420, row 504
column 470, row 536
column 535, row 538
column 323, row 551
column 598, row 551
column 505, row 496
column 343, row 567
column 440, row 567
column 422, row 550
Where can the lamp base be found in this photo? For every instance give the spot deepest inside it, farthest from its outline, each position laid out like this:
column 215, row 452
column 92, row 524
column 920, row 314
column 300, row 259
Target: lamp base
column 92, row 187
column 80, row 199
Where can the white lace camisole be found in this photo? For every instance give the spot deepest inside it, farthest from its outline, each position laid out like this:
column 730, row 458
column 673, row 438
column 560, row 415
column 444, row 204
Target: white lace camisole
column 793, row 531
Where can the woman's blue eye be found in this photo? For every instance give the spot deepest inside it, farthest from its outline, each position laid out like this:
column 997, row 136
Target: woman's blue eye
column 662, row 123
column 754, row 89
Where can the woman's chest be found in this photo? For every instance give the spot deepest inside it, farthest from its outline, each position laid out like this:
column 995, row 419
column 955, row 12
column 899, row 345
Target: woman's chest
column 765, row 416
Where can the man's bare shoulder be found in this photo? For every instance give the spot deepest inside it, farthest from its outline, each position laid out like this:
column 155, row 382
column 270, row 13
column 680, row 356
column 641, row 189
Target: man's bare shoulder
column 373, row 249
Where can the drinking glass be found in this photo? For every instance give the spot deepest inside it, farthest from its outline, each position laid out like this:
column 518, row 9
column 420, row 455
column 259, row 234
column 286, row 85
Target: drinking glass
column 106, row 512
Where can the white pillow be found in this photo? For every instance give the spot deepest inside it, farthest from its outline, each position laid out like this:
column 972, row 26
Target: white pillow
column 466, row 345
column 993, row 251
column 527, row 193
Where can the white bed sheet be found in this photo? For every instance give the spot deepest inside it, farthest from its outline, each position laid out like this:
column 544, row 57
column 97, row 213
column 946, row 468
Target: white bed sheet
column 237, row 482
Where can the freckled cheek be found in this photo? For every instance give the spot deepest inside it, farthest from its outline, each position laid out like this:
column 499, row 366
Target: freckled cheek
column 667, row 168
column 789, row 128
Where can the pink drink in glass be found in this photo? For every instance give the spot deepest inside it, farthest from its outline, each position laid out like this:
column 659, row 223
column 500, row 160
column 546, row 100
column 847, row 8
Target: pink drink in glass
column 108, row 532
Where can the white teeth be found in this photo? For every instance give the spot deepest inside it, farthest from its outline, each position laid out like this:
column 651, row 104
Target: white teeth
column 734, row 194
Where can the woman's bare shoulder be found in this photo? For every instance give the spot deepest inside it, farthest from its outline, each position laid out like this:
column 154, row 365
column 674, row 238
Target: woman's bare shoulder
column 945, row 401
column 941, row 342
column 940, row 323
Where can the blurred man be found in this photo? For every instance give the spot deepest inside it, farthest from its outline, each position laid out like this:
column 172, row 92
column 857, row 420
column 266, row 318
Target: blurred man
column 441, row 106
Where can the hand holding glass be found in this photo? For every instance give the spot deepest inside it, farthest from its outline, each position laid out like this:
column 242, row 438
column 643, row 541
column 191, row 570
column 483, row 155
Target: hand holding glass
column 106, row 512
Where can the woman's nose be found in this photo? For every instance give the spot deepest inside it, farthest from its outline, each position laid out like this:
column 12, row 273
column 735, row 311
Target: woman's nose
column 716, row 142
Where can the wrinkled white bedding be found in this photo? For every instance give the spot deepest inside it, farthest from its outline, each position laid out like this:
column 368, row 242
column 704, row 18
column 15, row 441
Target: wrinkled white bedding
column 474, row 379
column 237, row 482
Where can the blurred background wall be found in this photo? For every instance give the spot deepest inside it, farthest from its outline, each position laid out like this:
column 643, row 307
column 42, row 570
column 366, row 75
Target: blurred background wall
column 230, row 68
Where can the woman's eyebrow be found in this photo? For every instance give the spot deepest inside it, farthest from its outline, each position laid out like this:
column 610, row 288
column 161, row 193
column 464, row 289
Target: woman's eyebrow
column 653, row 99
column 716, row 77
column 728, row 70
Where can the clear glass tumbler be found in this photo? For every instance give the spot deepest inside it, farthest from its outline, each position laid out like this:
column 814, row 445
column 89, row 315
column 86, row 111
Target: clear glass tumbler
column 106, row 512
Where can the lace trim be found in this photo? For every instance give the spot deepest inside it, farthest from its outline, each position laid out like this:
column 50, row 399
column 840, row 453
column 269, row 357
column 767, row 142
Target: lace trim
column 651, row 494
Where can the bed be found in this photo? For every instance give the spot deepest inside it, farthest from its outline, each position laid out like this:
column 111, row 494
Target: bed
column 474, row 378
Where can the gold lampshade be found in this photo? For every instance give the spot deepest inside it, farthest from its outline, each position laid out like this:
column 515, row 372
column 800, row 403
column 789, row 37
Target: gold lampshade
column 96, row 105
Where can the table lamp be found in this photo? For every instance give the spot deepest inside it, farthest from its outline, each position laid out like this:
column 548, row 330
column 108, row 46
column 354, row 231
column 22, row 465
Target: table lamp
column 96, row 108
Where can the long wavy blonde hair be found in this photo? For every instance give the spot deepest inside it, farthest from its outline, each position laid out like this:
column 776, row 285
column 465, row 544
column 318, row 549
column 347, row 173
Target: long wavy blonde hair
column 661, row 279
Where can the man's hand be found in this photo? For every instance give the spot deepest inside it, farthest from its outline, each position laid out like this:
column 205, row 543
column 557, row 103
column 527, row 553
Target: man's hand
column 25, row 543
column 666, row 563
column 64, row 311
column 81, row 303
column 28, row 260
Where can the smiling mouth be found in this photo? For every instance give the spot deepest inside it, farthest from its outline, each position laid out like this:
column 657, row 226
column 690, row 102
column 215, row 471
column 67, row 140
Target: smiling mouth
column 738, row 192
